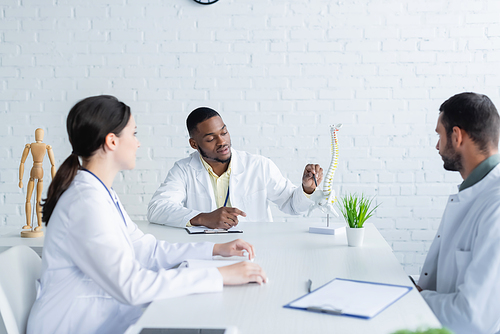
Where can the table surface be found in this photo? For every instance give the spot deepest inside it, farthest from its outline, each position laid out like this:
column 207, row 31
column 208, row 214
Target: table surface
column 290, row 256
column 11, row 236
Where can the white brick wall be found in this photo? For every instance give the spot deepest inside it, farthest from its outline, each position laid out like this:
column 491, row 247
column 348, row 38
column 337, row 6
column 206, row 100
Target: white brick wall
column 278, row 71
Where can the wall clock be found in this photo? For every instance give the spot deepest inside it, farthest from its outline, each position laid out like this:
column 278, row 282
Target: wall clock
column 206, row 2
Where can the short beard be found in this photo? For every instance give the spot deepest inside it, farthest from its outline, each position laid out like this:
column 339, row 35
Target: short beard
column 205, row 155
column 452, row 160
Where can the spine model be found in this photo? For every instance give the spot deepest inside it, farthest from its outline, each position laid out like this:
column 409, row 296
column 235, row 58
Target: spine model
column 328, row 183
column 325, row 199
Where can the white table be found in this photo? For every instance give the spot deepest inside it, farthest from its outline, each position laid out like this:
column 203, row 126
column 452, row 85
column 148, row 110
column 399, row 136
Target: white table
column 11, row 236
column 290, row 256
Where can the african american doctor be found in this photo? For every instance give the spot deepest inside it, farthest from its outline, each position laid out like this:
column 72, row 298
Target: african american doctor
column 217, row 186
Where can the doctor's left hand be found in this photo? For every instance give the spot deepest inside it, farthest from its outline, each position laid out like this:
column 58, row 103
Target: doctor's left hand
column 308, row 184
column 234, row 248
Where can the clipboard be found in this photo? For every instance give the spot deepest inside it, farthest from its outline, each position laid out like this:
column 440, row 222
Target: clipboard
column 359, row 299
column 207, row 230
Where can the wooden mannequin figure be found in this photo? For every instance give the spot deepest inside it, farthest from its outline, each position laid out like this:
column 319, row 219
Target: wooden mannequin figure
column 38, row 153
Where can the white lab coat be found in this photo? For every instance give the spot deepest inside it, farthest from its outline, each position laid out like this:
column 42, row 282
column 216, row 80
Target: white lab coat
column 461, row 274
column 254, row 181
column 98, row 272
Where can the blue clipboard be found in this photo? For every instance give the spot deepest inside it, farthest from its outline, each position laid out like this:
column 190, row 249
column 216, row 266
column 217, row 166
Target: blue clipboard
column 351, row 298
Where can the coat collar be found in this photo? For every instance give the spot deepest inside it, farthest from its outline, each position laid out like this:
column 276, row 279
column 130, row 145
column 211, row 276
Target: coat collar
column 471, row 192
column 85, row 177
column 89, row 179
column 111, row 196
column 480, row 171
column 237, row 170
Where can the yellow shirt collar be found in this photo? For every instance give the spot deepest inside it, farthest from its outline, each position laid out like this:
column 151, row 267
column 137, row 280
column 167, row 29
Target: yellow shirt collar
column 211, row 171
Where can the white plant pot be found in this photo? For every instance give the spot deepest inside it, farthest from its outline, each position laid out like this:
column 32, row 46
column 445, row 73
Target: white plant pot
column 355, row 236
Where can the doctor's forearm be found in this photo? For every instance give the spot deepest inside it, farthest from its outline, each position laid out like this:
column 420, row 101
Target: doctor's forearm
column 223, row 217
column 209, row 219
column 197, row 220
column 165, row 213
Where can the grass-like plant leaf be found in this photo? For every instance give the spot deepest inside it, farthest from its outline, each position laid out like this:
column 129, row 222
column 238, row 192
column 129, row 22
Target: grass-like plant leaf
column 423, row 331
column 356, row 209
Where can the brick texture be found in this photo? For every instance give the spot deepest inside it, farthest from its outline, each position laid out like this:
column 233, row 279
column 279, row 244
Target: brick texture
column 279, row 72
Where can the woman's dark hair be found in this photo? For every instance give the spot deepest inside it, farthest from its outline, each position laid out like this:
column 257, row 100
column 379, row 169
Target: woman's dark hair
column 197, row 116
column 88, row 124
column 475, row 114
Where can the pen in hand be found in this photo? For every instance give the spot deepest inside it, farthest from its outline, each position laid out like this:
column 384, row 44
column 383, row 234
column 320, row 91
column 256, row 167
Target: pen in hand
column 419, row 289
column 315, row 182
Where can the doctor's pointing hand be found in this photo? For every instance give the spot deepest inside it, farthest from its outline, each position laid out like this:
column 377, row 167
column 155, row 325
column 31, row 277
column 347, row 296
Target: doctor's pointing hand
column 313, row 175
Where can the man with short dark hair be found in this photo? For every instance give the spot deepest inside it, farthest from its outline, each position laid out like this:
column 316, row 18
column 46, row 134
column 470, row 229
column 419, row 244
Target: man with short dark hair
column 217, row 186
column 461, row 274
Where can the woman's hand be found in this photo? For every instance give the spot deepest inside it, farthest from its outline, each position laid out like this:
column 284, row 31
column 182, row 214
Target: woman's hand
column 242, row 273
column 234, row 248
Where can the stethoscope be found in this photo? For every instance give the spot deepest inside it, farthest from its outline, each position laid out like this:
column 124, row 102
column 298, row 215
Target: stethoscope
column 227, row 196
column 112, row 198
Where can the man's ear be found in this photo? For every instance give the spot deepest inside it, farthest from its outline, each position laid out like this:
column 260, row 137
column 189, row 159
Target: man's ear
column 193, row 144
column 111, row 142
column 457, row 137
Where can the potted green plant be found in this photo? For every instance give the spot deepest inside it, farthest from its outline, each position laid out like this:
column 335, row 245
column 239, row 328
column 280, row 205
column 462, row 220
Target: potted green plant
column 425, row 331
column 356, row 210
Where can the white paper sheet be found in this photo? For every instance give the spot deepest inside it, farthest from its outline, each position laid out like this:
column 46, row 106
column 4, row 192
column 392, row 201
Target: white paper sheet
column 208, row 263
column 364, row 299
column 202, row 229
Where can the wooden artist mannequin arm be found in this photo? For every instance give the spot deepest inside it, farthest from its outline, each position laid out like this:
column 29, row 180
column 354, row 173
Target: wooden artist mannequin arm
column 21, row 166
column 50, row 153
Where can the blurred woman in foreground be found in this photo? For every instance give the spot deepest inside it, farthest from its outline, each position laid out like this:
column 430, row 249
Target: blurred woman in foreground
column 98, row 268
